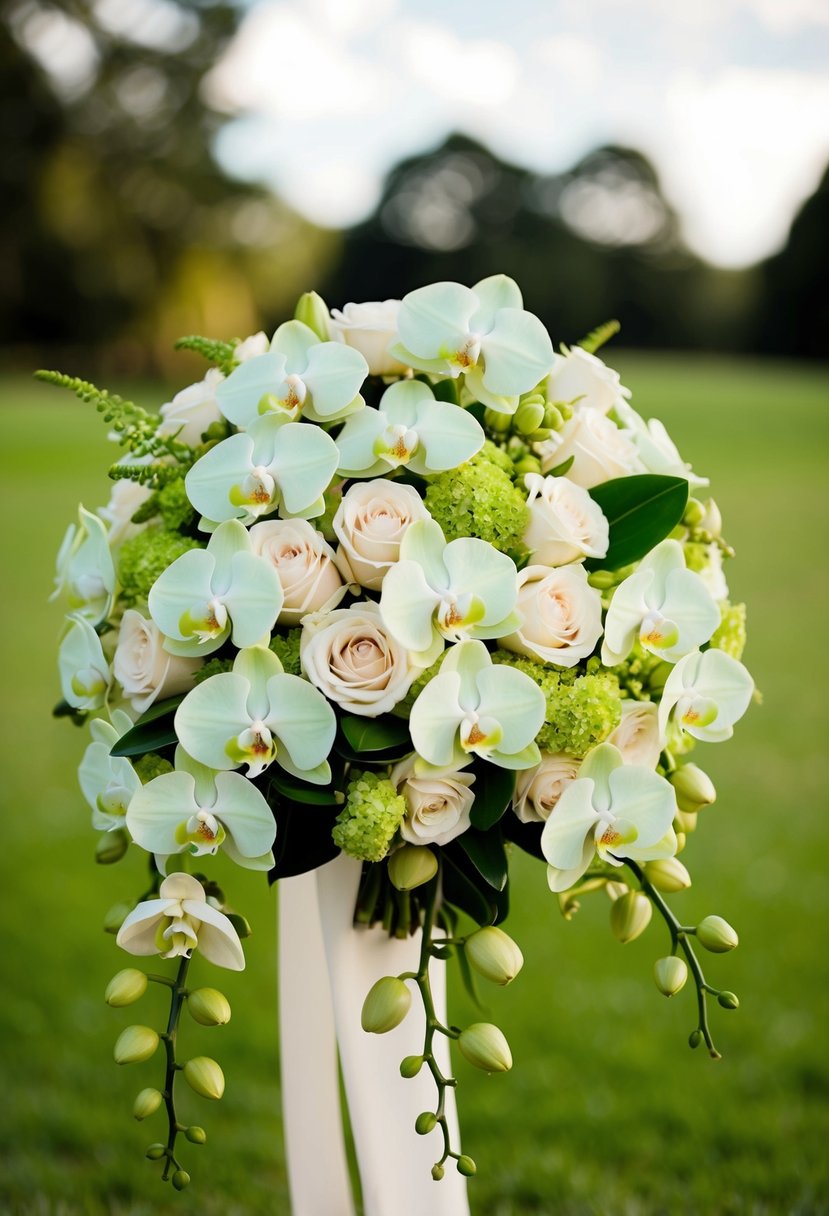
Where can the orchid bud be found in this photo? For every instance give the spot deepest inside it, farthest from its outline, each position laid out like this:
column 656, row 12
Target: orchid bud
column 694, row 513
column 529, row 416
column 694, row 789
column 111, row 847
column 209, row 1007
column 411, row 1066
column 438, row 1171
column 115, row 917
column 670, row 975
column 146, row 1103
column 386, row 1005
column 716, row 935
column 485, row 1046
column 196, row 1135
column 180, row 1179
column 494, row 954
column 630, row 916
column 667, row 874
column 155, row 1152
column 527, row 464
column 412, row 866
column 425, row 1122
column 680, row 843
column 685, row 822
column 711, row 521
column 728, row 1000
column 205, row 1077
column 135, row 1044
column 466, row 1166
column 125, row 988
column 312, row 311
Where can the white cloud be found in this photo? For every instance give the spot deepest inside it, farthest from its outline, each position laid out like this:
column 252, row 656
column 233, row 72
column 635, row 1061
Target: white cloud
column 475, row 73
column 577, row 59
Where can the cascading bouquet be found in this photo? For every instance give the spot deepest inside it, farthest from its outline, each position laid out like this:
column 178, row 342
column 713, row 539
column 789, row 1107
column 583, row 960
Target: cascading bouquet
column 404, row 583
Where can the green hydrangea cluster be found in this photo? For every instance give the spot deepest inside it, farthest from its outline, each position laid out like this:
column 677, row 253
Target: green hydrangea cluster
column 730, row 634
column 151, row 765
column 697, row 556
column 143, row 558
column 583, row 707
column 366, row 825
column 174, row 506
column 286, row 648
column 497, row 456
column 479, row 499
column 213, row 667
column 641, row 673
column 403, row 708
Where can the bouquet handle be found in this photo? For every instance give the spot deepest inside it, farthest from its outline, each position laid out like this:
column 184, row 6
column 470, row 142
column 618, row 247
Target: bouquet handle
column 326, row 969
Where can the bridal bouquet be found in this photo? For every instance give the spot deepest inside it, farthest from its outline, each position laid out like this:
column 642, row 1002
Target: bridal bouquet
column 406, row 583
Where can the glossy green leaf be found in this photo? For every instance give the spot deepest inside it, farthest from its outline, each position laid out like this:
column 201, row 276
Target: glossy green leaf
column 375, row 734
column 486, row 852
column 466, row 892
column 526, row 835
column 493, row 790
column 641, row 511
column 295, row 790
column 303, row 839
column 154, row 729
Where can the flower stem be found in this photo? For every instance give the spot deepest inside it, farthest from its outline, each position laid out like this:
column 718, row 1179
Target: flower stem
column 177, row 998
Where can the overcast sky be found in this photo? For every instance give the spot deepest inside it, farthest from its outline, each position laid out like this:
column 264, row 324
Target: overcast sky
column 729, row 97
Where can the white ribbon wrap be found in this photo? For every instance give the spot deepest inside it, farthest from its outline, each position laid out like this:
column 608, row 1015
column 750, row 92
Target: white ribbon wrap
column 326, row 967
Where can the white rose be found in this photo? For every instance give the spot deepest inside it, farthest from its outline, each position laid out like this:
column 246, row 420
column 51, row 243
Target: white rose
column 369, row 328
column 712, row 573
column 252, row 347
column 126, row 497
column 562, row 615
column 637, row 735
column 600, row 450
column 142, row 666
column 565, row 523
column 437, row 806
column 192, row 410
column 537, row 790
column 350, row 657
column 657, row 451
column 304, row 563
column 370, row 523
column 579, row 374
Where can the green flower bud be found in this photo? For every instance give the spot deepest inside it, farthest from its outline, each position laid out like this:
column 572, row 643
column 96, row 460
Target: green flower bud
column 115, row 917
column 716, row 935
column 467, row 1166
column 155, row 1152
column 485, row 1046
column 240, row 924
column 694, row 513
column 196, row 1135
column 204, row 1076
column 667, row 874
column 494, row 954
column 694, row 789
column 694, row 1039
column 554, row 418
column 529, row 416
column 111, row 847
column 685, row 822
column 180, row 1179
column 670, row 975
column 630, row 916
column 425, row 1122
column 209, row 1007
column 438, row 1171
column 146, row 1104
column 711, row 521
column 680, row 843
column 411, row 867
column 135, row 1044
column 125, row 988
column 659, row 675
column 386, row 1005
column 496, row 421
column 728, row 1000
column 411, row 1066
column 312, row 311
column 527, row 464
column 602, row 580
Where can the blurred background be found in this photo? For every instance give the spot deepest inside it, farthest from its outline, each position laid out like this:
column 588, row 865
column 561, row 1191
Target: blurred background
column 170, row 167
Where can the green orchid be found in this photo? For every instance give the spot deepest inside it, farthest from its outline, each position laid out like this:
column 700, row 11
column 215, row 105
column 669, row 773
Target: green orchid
column 411, row 428
column 85, row 571
column 82, row 664
column 300, row 375
column 107, row 782
column 256, row 714
column 208, row 595
column 198, row 810
column 457, row 591
column 665, row 606
column 482, row 331
column 612, row 809
column 705, row 694
column 273, row 465
column 474, row 707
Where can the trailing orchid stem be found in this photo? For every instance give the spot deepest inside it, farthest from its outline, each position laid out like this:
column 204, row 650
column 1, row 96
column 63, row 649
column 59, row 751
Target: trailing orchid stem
column 178, row 995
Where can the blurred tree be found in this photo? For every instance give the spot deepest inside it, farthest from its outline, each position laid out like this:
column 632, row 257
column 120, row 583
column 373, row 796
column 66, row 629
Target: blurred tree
column 119, row 219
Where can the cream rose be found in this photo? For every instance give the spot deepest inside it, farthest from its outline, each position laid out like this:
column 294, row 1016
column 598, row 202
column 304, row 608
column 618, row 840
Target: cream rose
column 304, row 562
column 562, row 615
column 192, row 410
column 369, row 328
column 637, row 735
column 537, row 790
column 126, row 497
column 351, row 658
column 437, row 806
column 565, row 525
column 370, row 523
column 600, row 450
column 142, row 666
column 582, row 375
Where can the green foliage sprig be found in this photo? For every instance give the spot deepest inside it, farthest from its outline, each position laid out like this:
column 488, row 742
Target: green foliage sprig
column 597, row 337
column 221, row 354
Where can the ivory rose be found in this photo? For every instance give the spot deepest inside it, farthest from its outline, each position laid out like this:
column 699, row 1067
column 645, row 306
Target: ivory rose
column 192, row 410
column 126, row 497
column 562, row 615
column 304, row 563
column 565, row 523
column 637, row 735
column 600, row 450
column 579, row 374
column 142, row 666
column 349, row 655
column 370, row 523
column 537, row 790
column 369, row 328
column 437, row 805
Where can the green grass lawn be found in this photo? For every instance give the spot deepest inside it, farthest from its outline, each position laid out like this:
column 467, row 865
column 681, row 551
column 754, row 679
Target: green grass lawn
column 606, row 1109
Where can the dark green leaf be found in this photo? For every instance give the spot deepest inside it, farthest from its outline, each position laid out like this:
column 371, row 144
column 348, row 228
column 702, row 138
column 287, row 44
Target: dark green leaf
column 564, row 467
column 153, row 730
column 302, row 791
column 493, row 790
column 468, row 978
column 486, row 852
column 462, row 886
column 446, row 390
column 526, row 835
column 375, row 734
column 303, row 839
column 641, row 511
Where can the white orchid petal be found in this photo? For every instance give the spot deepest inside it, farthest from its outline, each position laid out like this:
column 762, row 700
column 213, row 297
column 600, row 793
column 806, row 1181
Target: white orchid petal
column 515, row 701
column 239, row 395
column 407, row 604
column 334, row 376
column 302, row 720
column 218, row 940
column 518, row 352
column 210, row 716
column 494, row 293
column 294, row 341
column 624, row 616
column 355, row 442
column 599, row 765
column 304, row 463
column 476, row 568
column 245, row 814
column 435, row 718
column 216, row 475
column 158, row 809
column 469, row 660
column 84, row 671
column 645, row 799
column 137, row 934
column 433, row 322
column 254, row 598
column 449, row 436
column 571, row 822
column 688, row 601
